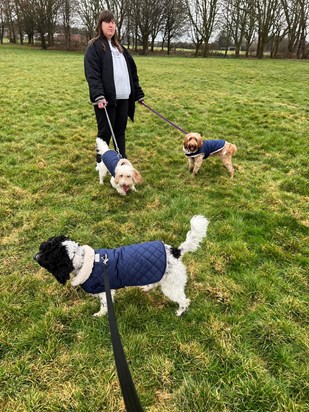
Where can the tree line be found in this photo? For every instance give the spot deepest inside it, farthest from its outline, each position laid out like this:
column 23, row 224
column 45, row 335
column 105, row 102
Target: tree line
column 142, row 24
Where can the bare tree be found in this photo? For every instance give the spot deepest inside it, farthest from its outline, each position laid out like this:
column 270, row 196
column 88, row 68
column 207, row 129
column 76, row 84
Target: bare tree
column 266, row 15
column 236, row 16
column 302, row 51
column 292, row 16
column 120, row 9
column 275, row 22
column 27, row 16
column 10, row 18
column 18, row 20
column 250, row 26
column 279, row 32
column 2, row 22
column 66, row 12
column 43, row 15
column 174, row 18
column 132, row 23
column 225, row 38
column 146, row 13
column 203, row 14
column 88, row 11
column 196, row 37
column 156, row 21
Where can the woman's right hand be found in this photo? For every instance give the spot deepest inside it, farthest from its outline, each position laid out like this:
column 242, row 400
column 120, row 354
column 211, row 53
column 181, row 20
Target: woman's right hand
column 102, row 104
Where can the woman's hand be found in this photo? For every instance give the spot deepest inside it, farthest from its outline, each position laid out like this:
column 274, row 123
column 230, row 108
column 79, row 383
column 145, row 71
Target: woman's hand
column 102, row 103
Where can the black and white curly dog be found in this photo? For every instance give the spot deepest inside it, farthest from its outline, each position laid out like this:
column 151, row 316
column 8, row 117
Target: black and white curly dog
column 148, row 265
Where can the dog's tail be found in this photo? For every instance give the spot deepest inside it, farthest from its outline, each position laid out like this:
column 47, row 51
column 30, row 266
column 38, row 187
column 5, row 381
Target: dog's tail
column 102, row 146
column 234, row 148
column 199, row 225
column 231, row 149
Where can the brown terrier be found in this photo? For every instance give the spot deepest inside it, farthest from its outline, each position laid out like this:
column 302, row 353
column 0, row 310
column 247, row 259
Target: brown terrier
column 197, row 149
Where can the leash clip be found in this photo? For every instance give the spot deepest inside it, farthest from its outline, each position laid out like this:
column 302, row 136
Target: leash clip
column 105, row 259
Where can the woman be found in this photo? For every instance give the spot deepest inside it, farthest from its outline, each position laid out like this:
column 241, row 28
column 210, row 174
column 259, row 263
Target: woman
column 113, row 82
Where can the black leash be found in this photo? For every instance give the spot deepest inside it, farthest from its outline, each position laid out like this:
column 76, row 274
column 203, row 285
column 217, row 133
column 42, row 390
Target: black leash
column 129, row 393
column 164, row 118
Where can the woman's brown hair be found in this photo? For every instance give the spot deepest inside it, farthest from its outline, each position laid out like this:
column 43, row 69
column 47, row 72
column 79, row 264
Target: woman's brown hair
column 106, row 16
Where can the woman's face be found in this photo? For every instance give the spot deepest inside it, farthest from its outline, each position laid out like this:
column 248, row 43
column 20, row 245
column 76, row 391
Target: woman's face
column 108, row 29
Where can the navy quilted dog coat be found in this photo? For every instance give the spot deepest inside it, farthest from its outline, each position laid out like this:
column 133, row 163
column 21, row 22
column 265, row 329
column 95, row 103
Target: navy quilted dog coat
column 133, row 265
column 110, row 158
column 209, row 147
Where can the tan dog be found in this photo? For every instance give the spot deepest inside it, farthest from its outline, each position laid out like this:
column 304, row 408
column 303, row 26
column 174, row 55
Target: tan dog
column 124, row 175
column 197, row 149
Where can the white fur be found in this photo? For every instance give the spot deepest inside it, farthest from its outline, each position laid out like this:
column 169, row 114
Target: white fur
column 199, row 225
column 173, row 281
column 102, row 147
column 125, row 175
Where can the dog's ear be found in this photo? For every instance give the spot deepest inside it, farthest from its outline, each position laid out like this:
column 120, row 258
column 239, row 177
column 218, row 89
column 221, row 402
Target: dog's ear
column 63, row 274
column 124, row 162
column 53, row 257
column 199, row 140
column 186, row 140
column 137, row 178
column 117, row 177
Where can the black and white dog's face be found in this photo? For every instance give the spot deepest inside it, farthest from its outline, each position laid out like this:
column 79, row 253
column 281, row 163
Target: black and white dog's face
column 53, row 256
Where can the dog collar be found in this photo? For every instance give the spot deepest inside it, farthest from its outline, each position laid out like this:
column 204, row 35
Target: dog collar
column 190, row 154
column 86, row 269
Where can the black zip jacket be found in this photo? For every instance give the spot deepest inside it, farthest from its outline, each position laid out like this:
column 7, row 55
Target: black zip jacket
column 98, row 64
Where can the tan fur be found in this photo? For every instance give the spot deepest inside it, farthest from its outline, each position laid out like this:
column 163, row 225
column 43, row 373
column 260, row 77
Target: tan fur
column 193, row 142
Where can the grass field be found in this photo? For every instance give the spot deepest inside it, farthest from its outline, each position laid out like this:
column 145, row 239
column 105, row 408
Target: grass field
column 243, row 344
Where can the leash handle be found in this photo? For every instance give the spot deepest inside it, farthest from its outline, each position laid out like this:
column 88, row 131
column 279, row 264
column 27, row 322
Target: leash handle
column 129, row 393
column 164, row 118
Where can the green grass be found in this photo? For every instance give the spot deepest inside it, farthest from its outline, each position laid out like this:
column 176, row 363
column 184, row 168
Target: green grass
column 243, row 345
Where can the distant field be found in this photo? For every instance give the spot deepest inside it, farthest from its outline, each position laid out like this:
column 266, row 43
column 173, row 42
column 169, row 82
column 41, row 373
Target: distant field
column 243, row 344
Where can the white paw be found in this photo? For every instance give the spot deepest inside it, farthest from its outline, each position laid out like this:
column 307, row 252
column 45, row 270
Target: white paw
column 146, row 288
column 182, row 309
column 100, row 313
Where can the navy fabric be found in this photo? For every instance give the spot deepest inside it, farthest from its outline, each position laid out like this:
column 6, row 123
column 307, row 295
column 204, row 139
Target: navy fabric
column 133, row 265
column 208, row 148
column 110, row 159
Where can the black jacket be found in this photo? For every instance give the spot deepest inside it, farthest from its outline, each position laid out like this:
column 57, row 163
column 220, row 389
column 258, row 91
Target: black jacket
column 98, row 64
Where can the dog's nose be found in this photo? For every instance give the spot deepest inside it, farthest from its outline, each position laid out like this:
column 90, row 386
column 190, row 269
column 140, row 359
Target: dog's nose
column 36, row 257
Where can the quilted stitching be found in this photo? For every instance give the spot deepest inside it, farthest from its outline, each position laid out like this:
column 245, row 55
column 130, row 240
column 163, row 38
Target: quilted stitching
column 134, row 265
column 143, row 263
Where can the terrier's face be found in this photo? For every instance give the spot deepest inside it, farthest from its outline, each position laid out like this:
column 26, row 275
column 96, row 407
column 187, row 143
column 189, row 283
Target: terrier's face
column 126, row 176
column 192, row 142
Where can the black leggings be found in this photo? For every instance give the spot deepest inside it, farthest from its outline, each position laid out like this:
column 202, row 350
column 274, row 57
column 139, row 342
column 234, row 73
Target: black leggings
column 118, row 116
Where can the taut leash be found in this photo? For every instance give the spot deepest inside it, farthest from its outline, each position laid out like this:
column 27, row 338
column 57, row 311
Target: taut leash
column 111, row 129
column 129, row 393
column 164, row 118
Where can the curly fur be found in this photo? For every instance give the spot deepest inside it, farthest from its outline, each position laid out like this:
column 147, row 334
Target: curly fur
column 194, row 141
column 53, row 256
column 126, row 176
column 62, row 256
